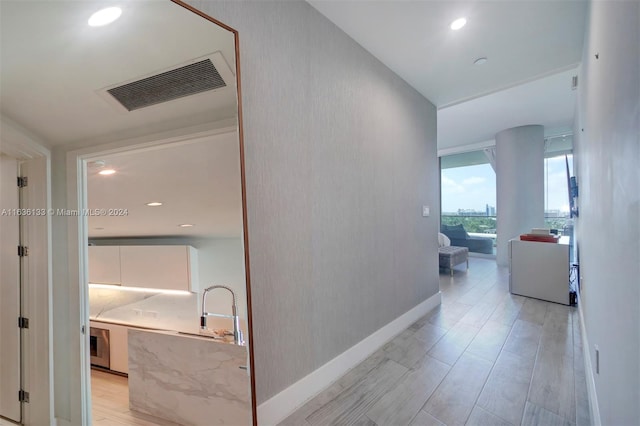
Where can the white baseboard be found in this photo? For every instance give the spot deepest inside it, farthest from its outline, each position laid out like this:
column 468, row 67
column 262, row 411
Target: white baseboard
column 280, row 406
column 591, row 383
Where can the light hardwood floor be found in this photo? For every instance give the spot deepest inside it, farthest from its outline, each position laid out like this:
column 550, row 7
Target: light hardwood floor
column 110, row 403
column 484, row 357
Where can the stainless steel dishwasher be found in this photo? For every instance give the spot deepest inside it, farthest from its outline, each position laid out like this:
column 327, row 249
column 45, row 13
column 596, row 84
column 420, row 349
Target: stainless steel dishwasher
column 99, row 347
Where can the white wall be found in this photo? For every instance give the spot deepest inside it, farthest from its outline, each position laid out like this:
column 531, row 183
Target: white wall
column 221, row 261
column 607, row 154
column 340, row 157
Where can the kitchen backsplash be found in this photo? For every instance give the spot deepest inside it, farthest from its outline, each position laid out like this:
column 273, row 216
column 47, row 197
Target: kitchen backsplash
column 155, row 310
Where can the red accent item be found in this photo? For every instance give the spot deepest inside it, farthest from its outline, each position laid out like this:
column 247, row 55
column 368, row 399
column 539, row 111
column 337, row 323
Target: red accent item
column 540, row 238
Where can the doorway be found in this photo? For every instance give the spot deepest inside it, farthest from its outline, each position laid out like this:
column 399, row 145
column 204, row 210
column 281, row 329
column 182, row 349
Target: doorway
column 146, row 185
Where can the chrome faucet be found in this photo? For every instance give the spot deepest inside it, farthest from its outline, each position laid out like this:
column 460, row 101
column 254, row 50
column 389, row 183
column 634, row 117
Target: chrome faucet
column 237, row 332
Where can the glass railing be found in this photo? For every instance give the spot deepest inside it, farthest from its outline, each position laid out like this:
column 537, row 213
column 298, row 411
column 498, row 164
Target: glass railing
column 483, row 228
column 475, row 224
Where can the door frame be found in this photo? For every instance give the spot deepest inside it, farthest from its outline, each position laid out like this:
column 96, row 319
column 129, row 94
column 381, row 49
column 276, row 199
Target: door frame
column 37, row 355
column 77, row 236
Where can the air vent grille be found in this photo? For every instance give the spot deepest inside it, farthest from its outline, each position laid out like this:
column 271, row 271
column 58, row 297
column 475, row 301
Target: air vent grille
column 184, row 81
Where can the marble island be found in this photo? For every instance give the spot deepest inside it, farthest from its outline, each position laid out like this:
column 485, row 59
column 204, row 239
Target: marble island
column 188, row 379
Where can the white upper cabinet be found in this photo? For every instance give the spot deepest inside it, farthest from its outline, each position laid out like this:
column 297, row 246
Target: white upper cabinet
column 158, row 267
column 161, row 267
column 104, row 265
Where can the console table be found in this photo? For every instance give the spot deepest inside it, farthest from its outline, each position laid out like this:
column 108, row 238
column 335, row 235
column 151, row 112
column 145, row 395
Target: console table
column 540, row 270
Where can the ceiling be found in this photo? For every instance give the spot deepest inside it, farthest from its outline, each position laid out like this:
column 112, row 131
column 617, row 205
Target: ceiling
column 54, row 68
column 548, row 101
column 198, row 183
column 523, row 40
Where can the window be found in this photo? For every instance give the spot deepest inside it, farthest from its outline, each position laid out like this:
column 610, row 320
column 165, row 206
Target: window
column 468, row 198
column 556, row 192
column 468, row 194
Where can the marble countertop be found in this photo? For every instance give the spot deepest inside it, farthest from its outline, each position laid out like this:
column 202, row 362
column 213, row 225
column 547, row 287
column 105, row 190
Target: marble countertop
column 183, row 331
column 197, row 334
column 152, row 311
column 93, row 318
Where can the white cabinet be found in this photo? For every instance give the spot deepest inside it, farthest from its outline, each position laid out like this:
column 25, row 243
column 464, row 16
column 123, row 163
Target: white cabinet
column 119, row 348
column 104, row 265
column 158, row 267
column 540, row 270
column 161, row 267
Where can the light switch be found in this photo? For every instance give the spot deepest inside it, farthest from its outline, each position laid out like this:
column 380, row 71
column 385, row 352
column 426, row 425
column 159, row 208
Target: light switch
column 425, row 211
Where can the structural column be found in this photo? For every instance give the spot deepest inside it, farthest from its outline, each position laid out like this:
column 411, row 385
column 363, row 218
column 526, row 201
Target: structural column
column 519, row 184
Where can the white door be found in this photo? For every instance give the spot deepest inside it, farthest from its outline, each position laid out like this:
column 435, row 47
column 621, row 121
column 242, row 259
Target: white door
column 10, row 366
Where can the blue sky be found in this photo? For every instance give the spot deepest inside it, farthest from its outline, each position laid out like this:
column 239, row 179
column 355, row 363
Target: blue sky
column 470, row 187
column 473, row 187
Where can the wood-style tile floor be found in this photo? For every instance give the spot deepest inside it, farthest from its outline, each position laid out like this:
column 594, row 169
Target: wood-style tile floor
column 484, row 357
column 110, row 403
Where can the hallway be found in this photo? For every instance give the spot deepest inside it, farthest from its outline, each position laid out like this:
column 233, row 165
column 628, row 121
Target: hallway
column 484, row 357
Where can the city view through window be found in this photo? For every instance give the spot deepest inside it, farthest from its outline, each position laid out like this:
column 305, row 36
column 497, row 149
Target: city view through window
column 469, row 197
column 556, row 196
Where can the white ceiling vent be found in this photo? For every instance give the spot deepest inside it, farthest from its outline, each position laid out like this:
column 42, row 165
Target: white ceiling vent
column 200, row 75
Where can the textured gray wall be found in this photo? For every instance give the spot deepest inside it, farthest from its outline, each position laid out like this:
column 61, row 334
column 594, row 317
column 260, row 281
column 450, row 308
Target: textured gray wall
column 340, row 157
column 607, row 137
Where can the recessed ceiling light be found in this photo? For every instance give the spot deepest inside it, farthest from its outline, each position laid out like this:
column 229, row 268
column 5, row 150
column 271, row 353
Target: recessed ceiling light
column 99, row 229
column 480, row 61
column 458, row 23
column 185, row 225
column 154, row 204
column 106, row 172
column 104, row 16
